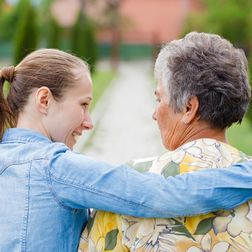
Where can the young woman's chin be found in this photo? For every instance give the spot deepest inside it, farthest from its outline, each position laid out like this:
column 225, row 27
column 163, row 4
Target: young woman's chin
column 71, row 142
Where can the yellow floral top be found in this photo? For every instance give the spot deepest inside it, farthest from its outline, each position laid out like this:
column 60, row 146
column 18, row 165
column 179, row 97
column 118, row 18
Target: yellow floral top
column 216, row 232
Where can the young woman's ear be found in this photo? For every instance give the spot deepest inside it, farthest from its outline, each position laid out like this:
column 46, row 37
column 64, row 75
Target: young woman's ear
column 43, row 99
column 190, row 111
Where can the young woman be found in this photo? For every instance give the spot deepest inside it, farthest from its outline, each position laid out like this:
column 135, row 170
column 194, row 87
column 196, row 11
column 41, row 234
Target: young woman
column 46, row 189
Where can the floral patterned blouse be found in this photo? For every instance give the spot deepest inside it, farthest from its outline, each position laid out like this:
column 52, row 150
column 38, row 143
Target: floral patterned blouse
column 219, row 231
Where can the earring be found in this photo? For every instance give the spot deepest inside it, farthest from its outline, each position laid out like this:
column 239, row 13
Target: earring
column 184, row 120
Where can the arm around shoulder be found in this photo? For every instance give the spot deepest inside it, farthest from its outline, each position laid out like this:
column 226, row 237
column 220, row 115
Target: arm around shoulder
column 82, row 182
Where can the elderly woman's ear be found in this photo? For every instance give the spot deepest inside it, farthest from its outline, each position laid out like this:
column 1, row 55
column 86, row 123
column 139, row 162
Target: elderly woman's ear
column 190, row 110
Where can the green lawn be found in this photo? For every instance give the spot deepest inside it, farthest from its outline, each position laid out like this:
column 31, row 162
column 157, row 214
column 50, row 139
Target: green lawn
column 101, row 80
column 240, row 136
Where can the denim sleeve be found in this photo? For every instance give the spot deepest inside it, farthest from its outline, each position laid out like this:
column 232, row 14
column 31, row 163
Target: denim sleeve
column 80, row 182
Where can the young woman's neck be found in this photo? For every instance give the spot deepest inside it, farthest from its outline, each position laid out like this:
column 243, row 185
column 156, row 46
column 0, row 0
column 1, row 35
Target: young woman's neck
column 32, row 122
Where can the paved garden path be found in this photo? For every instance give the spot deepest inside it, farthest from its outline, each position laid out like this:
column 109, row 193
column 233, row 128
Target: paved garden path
column 124, row 128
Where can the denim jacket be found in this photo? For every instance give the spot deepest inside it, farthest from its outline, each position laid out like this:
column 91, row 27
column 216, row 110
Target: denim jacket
column 46, row 190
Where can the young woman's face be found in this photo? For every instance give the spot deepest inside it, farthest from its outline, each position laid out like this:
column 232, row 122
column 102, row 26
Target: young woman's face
column 69, row 117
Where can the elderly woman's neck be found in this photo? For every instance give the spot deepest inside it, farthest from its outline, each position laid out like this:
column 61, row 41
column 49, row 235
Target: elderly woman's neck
column 201, row 129
column 198, row 130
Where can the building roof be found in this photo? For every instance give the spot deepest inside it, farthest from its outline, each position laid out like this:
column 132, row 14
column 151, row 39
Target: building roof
column 155, row 20
column 142, row 21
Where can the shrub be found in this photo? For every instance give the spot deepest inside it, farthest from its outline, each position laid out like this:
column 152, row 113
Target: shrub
column 27, row 32
column 83, row 40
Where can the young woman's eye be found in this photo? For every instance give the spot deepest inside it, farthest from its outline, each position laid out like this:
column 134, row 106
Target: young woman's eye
column 85, row 105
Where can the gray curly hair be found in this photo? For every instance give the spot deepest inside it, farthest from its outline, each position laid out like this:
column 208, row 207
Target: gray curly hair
column 212, row 69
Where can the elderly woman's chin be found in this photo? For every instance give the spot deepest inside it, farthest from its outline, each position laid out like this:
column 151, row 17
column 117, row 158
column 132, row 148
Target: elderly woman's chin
column 176, row 133
column 171, row 142
column 168, row 145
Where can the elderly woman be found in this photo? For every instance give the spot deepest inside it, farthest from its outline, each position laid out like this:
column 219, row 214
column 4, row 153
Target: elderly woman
column 202, row 90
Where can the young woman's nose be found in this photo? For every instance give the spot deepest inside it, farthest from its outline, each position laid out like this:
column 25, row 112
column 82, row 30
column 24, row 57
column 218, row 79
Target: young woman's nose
column 154, row 116
column 87, row 122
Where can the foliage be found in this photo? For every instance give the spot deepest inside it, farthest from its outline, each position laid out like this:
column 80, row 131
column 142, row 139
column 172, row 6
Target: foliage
column 8, row 19
column 240, row 136
column 249, row 112
column 23, row 26
column 84, row 40
column 27, row 33
column 53, row 33
column 101, row 81
column 45, row 5
column 50, row 31
column 231, row 19
column 1, row 5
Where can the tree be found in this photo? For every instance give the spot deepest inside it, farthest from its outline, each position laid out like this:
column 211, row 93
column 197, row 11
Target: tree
column 1, row 4
column 83, row 42
column 114, row 22
column 9, row 17
column 27, row 33
column 53, row 33
column 230, row 18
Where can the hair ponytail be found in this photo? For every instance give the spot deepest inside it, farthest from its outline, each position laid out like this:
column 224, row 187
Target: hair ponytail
column 6, row 116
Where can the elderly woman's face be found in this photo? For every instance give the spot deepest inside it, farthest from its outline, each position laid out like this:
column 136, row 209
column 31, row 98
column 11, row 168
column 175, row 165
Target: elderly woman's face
column 169, row 123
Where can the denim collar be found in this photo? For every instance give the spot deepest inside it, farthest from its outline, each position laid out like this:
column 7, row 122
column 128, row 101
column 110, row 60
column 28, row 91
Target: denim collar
column 23, row 135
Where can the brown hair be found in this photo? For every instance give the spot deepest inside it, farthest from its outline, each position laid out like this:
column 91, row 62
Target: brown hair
column 6, row 117
column 44, row 67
